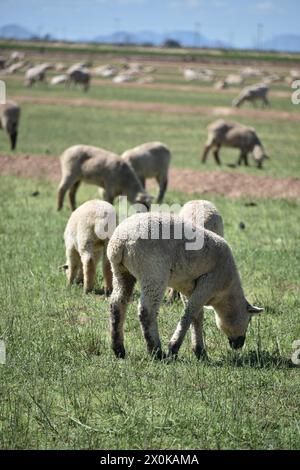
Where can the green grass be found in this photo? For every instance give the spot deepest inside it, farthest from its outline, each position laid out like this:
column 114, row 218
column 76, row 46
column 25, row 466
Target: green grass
column 51, row 129
column 62, row 387
column 110, row 92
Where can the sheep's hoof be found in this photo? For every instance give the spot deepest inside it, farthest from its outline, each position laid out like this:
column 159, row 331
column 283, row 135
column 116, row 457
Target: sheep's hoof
column 173, row 351
column 158, row 355
column 200, row 353
column 119, row 352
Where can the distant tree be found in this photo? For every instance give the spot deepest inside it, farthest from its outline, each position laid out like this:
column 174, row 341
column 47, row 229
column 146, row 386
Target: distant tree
column 171, row 43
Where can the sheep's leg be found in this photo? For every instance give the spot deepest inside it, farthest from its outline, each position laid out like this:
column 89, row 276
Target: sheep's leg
column 89, row 261
column 72, row 195
column 217, row 155
column 243, row 158
column 163, row 184
column 65, row 184
column 151, row 297
column 107, row 274
column 79, row 275
column 73, row 263
column 206, row 151
column 143, row 181
column 123, row 288
column 172, row 296
column 193, row 306
column 197, row 335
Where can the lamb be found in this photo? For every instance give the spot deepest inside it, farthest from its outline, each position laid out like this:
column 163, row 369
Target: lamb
column 151, row 160
column 79, row 77
column 36, row 74
column 234, row 135
column 59, row 79
column 86, row 237
column 9, row 120
column 102, row 168
column 252, row 94
column 205, row 213
column 205, row 276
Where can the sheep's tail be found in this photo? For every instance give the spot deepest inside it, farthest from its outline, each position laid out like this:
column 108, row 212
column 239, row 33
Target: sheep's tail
column 115, row 250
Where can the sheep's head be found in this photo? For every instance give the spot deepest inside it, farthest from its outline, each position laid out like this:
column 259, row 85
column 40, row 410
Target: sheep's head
column 236, row 103
column 144, row 199
column 259, row 156
column 235, row 323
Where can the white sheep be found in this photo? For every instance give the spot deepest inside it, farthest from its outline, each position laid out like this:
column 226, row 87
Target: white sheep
column 234, row 135
column 253, row 94
column 59, row 79
column 36, row 74
column 150, row 160
column 205, row 214
column 102, row 168
column 86, row 237
column 206, row 276
column 9, row 120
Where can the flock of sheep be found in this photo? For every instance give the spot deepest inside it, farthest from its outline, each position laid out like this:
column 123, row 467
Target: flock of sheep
column 205, row 276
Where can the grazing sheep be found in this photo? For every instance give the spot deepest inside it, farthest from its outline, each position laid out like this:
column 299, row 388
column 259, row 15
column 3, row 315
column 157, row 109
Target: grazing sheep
column 79, row 77
column 234, row 135
column 151, row 160
column 234, row 79
column 36, row 74
column 205, row 214
column 105, row 71
column 9, row 120
column 86, row 237
column 205, row 276
column 2, row 62
column 101, row 168
column 252, row 94
column 59, row 79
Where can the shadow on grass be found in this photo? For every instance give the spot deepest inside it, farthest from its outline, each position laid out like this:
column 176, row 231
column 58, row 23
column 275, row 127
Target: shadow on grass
column 257, row 360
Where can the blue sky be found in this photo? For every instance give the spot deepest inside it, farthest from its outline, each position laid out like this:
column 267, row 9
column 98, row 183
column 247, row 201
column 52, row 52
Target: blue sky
column 234, row 20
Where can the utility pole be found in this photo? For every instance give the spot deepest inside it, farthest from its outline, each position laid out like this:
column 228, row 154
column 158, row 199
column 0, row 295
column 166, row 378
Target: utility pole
column 197, row 34
column 260, row 35
column 118, row 30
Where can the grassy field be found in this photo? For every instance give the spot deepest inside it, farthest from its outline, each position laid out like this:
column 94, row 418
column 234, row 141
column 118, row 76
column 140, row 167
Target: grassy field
column 61, row 387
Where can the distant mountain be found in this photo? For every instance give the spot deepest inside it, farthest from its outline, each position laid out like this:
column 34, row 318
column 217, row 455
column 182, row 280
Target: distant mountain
column 283, row 43
column 185, row 38
column 14, row 31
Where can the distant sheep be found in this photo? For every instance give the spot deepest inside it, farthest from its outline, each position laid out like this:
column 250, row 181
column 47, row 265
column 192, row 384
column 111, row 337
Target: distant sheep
column 86, row 237
column 101, row 168
column 206, row 276
column 234, row 135
column 59, row 79
column 79, row 77
column 9, row 120
column 253, row 94
column 36, row 74
column 151, row 160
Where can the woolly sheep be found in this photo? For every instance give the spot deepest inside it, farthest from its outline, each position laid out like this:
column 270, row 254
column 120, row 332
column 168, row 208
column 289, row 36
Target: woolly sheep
column 252, row 94
column 36, row 74
column 234, row 135
column 150, row 160
column 9, row 120
column 86, row 237
column 59, row 79
column 79, row 77
column 205, row 213
column 206, row 276
column 102, row 168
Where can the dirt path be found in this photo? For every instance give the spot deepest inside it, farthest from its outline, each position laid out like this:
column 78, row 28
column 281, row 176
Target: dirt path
column 161, row 107
column 232, row 184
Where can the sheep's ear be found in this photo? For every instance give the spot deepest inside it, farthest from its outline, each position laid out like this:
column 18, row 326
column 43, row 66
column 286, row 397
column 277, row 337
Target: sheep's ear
column 254, row 310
